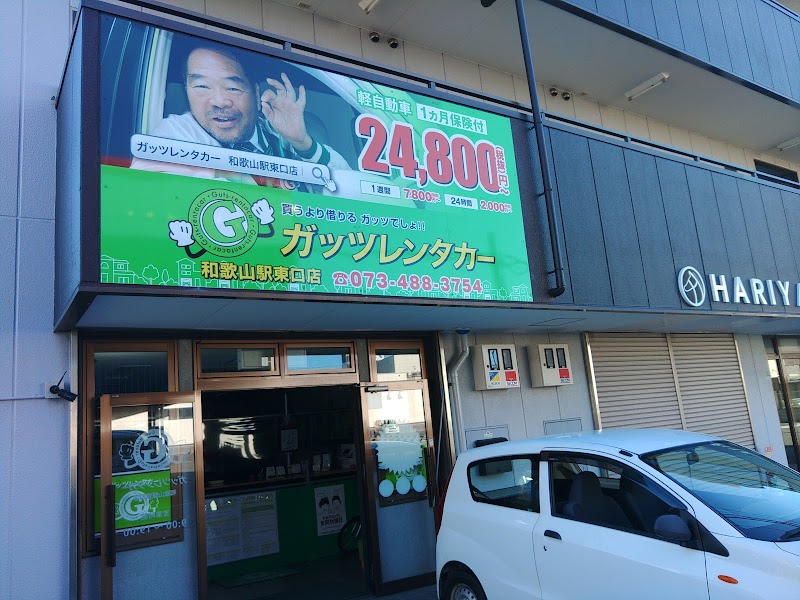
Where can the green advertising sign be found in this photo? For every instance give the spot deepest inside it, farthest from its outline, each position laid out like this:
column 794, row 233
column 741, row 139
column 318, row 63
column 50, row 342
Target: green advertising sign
column 140, row 499
column 224, row 168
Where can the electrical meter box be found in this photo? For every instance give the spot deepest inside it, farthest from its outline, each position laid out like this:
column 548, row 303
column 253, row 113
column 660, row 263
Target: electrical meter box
column 550, row 365
column 495, row 367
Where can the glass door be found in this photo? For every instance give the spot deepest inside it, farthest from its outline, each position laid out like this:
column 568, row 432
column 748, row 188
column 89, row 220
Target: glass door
column 152, row 535
column 399, row 465
column 787, row 396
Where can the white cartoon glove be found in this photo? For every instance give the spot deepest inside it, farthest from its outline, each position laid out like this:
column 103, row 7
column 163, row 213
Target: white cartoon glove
column 263, row 211
column 181, row 232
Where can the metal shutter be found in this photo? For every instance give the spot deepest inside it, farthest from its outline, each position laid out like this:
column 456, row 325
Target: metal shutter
column 634, row 381
column 711, row 388
column 636, row 376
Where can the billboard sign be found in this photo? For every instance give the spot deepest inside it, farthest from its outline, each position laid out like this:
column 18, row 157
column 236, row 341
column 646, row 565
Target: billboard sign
column 226, row 168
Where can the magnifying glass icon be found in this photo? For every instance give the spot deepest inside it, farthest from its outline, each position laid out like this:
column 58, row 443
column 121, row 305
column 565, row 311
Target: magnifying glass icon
column 318, row 173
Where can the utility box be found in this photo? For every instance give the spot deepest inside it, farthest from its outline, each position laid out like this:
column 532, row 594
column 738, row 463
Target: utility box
column 550, row 365
column 495, row 366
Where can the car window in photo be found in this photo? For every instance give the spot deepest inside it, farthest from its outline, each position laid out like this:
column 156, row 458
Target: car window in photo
column 758, row 496
column 609, row 494
column 507, row 481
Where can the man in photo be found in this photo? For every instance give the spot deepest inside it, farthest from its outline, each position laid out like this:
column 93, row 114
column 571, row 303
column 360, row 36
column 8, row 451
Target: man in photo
column 227, row 109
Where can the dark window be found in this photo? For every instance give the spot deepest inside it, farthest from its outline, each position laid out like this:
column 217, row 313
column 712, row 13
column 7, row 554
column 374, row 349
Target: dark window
column 507, row 481
column 775, row 171
column 609, row 494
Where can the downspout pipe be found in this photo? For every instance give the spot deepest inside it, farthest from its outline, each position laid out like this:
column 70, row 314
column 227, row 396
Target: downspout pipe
column 555, row 237
column 452, row 378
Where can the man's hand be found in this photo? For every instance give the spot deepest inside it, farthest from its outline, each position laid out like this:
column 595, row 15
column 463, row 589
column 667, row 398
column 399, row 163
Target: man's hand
column 263, row 211
column 283, row 108
column 181, row 232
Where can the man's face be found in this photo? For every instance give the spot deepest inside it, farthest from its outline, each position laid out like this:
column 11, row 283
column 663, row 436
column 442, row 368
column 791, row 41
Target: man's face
column 221, row 97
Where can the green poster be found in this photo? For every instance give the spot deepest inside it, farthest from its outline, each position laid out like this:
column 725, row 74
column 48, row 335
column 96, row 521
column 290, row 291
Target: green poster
column 141, row 500
column 223, row 168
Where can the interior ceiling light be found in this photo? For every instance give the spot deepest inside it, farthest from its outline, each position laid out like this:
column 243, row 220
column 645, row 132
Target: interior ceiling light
column 646, row 86
column 368, row 5
column 789, row 144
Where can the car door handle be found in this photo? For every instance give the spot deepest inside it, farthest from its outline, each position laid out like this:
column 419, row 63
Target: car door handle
column 552, row 534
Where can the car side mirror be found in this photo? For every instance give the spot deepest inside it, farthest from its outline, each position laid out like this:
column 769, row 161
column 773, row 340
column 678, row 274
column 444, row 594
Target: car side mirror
column 672, row 528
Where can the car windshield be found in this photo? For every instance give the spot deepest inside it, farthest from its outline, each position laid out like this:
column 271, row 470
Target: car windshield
column 754, row 494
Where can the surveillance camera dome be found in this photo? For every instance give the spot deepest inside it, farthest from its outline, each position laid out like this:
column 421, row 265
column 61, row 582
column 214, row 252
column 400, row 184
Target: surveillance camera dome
column 553, row 92
column 374, row 36
column 393, row 43
column 566, row 95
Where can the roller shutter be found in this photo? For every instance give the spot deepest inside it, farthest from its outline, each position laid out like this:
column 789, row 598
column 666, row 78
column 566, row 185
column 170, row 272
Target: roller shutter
column 676, row 381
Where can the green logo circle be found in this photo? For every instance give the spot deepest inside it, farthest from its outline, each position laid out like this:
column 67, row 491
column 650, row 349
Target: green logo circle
column 223, row 223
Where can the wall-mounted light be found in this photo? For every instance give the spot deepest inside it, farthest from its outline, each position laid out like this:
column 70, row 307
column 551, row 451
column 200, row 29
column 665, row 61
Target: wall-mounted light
column 368, row 5
column 646, row 86
column 795, row 141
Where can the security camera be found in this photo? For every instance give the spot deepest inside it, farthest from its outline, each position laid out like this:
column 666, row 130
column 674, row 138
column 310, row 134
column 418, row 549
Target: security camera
column 375, row 37
column 566, row 95
column 62, row 393
column 393, row 43
column 553, row 92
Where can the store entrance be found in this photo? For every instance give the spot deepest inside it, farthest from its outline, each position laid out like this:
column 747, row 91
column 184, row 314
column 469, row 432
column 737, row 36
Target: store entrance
column 282, row 478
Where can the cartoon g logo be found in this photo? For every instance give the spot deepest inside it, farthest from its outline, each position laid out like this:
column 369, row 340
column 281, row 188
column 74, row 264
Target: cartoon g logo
column 691, row 286
column 135, row 506
column 151, row 450
column 223, row 223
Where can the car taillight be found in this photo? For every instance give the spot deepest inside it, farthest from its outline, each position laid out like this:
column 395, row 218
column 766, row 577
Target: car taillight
column 439, row 510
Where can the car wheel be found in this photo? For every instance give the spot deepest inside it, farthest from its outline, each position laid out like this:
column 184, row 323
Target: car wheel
column 463, row 586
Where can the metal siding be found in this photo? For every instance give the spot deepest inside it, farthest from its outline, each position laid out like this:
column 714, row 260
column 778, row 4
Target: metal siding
column 668, row 24
column 684, row 239
column 718, row 53
column 694, row 36
column 651, row 227
column 756, row 49
column 567, row 297
column 634, row 381
column 734, row 232
column 791, row 51
column 777, row 66
column 641, row 18
column 587, row 4
column 619, row 225
column 791, row 208
column 614, row 10
column 781, row 238
column 8, row 306
column 796, row 31
column 734, row 34
column 761, row 248
column 709, row 226
column 532, row 209
column 711, row 386
column 581, row 219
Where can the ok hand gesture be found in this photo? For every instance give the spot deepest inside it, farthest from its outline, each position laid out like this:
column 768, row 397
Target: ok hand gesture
column 284, row 108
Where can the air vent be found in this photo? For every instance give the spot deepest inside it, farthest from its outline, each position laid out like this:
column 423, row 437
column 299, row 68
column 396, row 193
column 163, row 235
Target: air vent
column 304, row 5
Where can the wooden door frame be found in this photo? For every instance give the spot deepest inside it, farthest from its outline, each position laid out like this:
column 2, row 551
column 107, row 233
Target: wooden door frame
column 107, row 542
column 382, row 588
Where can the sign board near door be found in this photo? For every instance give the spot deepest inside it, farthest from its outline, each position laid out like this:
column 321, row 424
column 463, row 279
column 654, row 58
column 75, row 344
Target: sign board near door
column 301, row 180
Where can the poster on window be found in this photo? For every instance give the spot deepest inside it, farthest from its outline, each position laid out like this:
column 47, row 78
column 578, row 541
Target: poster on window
column 227, row 168
column 331, row 510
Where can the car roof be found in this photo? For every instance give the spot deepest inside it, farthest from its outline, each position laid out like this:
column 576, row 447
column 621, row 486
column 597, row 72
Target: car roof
column 636, row 441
